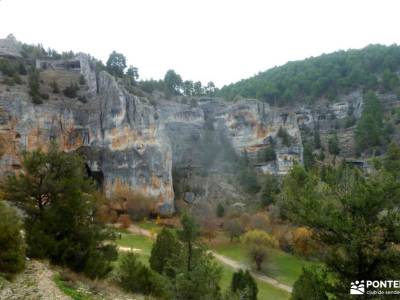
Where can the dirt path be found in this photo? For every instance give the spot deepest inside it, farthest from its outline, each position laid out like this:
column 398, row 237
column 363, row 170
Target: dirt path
column 35, row 282
column 140, row 231
column 129, row 249
column 225, row 260
column 237, row 265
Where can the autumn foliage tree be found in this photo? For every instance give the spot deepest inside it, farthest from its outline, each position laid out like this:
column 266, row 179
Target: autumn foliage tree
column 303, row 242
column 257, row 243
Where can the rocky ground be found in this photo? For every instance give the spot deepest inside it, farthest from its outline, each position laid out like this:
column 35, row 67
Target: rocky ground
column 37, row 282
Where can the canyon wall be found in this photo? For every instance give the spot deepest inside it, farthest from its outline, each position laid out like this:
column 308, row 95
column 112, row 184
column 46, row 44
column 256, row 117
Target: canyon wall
column 130, row 143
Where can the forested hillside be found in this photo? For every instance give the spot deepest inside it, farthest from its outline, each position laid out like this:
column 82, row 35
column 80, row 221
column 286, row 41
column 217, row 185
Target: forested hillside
column 372, row 68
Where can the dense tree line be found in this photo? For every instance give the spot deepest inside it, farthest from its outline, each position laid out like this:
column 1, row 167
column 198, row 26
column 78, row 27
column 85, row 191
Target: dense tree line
column 323, row 76
column 173, row 84
column 353, row 216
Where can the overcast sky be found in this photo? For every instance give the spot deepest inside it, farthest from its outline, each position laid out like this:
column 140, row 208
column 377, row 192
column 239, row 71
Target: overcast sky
column 219, row 40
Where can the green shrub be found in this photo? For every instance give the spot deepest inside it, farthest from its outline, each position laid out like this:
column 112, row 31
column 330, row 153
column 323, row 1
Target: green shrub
column 36, row 99
column 133, row 276
column 284, row 135
column 248, row 180
column 34, row 86
column 8, row 81
column 17, row 79
column 45, row 96
column 82, row 80
column 220, row 210
column 12, row 245
column 54, row 87
column 71, row 91
column 22, row 69
column 266, row 155
column 333, row 145
column 7, row 67
column 69, row 290
column 82, row 99
column 270, row 191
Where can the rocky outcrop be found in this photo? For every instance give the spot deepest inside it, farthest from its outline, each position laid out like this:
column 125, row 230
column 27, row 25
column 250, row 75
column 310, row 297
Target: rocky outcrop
column 10, row 47
column 129, row 143
column 115, row 131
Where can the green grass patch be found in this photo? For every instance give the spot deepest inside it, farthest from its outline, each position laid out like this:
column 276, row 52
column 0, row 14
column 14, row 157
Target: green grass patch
column 149, row 225
column 266, row 291
column 135, row 241
column 69, row 290
column 284, row 267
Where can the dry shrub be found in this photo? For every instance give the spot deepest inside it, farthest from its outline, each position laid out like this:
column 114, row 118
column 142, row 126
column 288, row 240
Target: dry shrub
column 171, row 222
column 3, row 144
column 79, row 281
column 105, row 213
column 232, row 215
column 125, row 221
column 284, row 235
column 260, row 221
column 303, row 242
column 209, row 228
column 245, row 219
column 137, row 205
column 69, row 277
column 234, row 228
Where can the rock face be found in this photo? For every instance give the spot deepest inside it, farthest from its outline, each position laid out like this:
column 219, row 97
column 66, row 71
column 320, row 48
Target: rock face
column 115, row 131
column 245, row 126
column 129, row 143
column 10, row 47
column 126, row 141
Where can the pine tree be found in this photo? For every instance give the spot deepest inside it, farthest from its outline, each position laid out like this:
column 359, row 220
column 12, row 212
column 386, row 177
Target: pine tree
column 244, row 284
column 61, row 221
column 164, row 248
column 220, row 210
column 311, row 285
column 188, row 235
column 196, row 275
column 333, row 145
column 116, row 64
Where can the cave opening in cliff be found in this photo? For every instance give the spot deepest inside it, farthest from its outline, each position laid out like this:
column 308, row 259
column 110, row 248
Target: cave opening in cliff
column 97, row 176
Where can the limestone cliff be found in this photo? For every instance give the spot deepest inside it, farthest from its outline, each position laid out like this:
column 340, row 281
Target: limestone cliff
column 126, row 141
column 130, row 143
column 116, row 132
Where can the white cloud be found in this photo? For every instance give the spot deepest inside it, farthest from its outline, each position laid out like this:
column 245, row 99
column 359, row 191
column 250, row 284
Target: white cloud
column 220, row 40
